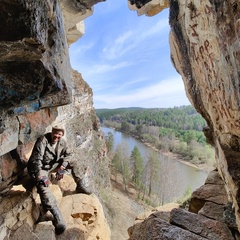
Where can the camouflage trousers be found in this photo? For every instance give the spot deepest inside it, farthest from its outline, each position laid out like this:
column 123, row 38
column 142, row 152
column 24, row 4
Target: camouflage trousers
column 48, row 199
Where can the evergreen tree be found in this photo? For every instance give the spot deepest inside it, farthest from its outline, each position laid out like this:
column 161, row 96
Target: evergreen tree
column 110, row 142
column 167, row 129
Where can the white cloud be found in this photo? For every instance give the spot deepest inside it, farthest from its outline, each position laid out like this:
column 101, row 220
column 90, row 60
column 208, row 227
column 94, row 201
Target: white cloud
column 156, row 29
column 169, row 90
column 129, row 84
column 76, row 50
column 128, row 40
column 125, row 59
column 123, row 38
column 95, row 69
column 118, row 47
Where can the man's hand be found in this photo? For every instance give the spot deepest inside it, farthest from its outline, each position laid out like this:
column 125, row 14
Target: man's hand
column 43, row 180
column 60, row 173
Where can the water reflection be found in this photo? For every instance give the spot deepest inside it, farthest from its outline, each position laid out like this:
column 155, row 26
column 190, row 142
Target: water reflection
column 175, row 176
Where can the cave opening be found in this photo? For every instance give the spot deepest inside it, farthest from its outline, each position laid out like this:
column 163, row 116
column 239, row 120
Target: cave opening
column 125, row 58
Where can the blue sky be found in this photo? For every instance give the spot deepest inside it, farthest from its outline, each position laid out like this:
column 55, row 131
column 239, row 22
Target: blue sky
column 125, row 59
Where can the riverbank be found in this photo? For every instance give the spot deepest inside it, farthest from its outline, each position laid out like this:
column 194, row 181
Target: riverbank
column 178, row 157
column 174, row 176
column 171, row 155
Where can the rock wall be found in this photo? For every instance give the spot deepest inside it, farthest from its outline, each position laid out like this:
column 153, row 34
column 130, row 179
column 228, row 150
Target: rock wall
column 207, row 215
column 38, row 90
column 34, row 58
column 84, row 135
column 148, row 7
column 205, row 51
column 83, row 215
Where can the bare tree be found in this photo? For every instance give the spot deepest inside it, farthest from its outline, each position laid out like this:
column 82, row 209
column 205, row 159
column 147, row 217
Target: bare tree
column 165, row 182
column 121, row 162
column 136, row 166
column 152, row 169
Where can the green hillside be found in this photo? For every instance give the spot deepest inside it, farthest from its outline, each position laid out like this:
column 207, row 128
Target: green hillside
column 177, row 130
column 178, row 118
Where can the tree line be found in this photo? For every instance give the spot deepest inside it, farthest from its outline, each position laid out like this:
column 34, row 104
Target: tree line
column 177, row 130
column 150, row 181
column 178, row 118
column 132, row 167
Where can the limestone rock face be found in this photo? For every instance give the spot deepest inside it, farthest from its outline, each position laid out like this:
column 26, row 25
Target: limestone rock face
column 82, row 133
column 156, row 228
column 209, row 216
column 200, row 225
column 34, row 61
column 205, row 51
column 148, row 7
column 83, row 215
column 38, row 90
column 74, row 12
column 212, row 194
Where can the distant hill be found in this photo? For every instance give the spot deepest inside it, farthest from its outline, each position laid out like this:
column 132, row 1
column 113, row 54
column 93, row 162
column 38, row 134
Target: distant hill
column 180, row 118
column 99, row 110
column 137, row 108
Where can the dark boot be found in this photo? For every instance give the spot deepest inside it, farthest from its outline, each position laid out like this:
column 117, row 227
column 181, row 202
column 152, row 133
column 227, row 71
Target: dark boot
column 44, row 216
column 58, row 221
column 82, row 188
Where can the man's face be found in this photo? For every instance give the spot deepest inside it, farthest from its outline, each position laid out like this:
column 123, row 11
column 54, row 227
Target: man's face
column 56, row 136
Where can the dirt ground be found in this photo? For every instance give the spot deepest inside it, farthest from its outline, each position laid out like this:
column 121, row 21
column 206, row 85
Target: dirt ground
column 122, row 208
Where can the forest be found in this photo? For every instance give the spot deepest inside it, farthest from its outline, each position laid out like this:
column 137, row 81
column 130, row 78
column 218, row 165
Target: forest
column 178, row 118
column 177, row 130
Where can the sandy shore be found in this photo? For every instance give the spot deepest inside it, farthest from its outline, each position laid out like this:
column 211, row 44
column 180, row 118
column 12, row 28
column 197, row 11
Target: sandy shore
column 178, row 157
column 174, row 156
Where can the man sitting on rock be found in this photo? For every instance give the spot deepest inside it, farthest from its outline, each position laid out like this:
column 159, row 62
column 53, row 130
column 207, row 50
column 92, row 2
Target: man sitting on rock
column 51, row 154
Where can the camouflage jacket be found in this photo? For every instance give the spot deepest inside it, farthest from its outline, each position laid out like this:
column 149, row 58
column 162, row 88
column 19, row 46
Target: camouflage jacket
column 45, row 157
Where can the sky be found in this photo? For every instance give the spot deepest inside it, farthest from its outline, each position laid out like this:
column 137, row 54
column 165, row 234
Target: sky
column 125, row 59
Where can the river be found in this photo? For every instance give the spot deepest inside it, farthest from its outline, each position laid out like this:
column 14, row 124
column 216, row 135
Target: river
column 175, row 176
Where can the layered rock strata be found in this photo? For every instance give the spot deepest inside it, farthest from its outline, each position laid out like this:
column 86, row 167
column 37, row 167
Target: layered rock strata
column 38, row 90
column 82, row 133
column 210, row 216
column 83, row 215
column 34, row 61
column 205, row 51
column 36, row 78
column 148, row 7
